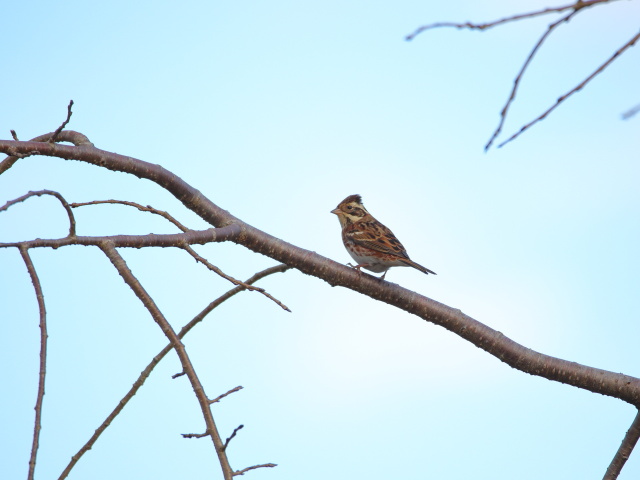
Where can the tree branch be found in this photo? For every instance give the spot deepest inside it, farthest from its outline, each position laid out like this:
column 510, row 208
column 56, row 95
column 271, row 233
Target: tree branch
column 76, row 138
column 43, row 359
column 220, row 397
column 235, row 431
column 72, row 220
column 156, row 360
column 142, row 208
column 133, row 283
column 186, row 248
column 624, row 387
column 54, row 137
column 575, row 8
column 516, row 82
column 138, row 241
column 245, row 470
column 631, row 112
column 613, row 384
column 575, row 89
column 622, row 455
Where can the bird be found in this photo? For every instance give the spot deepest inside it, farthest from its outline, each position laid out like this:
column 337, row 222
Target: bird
column 372, row 245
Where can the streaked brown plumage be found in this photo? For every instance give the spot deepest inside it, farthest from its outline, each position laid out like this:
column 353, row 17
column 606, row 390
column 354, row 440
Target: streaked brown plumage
column 372, row 245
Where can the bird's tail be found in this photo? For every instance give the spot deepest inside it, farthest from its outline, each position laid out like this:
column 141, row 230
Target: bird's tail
column 413, row 264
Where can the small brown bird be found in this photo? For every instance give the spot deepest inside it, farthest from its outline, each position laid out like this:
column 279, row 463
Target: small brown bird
column 372, row 245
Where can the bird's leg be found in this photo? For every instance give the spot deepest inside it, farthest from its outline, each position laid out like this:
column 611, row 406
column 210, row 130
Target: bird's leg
column 358, row 267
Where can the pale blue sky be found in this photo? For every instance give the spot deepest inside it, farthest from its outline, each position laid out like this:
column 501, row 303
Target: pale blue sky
column 277, row 111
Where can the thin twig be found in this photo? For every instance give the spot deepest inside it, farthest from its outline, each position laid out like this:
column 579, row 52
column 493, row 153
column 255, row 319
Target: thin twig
column 14, row 135
column 220, row 397
column 575, row 89
column 575, row 8
column 149, row 368
column 195, row 435
column 142, row 208
column 186, row 247
column 516, row 82
column 521, row 16
column 54, row 137
column 235, row 281
column 626, row 447
column 72, row 220
column 235, row 430
column 631, row 112
column 245, row 470
column 43, row 359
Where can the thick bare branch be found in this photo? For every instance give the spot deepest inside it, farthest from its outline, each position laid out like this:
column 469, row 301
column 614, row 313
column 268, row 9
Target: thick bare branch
column 622, row 455
column 43, row 359
column 70, row 136
column 149, row 368
column 624, row 387
column 613, row 384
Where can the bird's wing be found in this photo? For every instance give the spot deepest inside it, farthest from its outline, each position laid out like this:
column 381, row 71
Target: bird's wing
column 377, row 237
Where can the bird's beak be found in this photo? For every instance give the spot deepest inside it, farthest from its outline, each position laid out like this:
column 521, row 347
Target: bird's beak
column 336, row 211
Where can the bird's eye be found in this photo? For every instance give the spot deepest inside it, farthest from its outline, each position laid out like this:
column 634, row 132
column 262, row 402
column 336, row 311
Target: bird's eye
column 349, row 207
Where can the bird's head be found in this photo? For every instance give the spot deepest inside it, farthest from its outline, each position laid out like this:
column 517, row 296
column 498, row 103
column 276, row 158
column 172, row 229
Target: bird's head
column 350, row 210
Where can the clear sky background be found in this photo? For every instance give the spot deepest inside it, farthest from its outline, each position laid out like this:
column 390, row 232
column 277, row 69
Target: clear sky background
column 277, row 111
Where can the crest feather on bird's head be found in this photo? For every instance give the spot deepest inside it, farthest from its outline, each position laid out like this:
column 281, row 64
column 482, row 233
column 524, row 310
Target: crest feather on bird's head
column 353, row 198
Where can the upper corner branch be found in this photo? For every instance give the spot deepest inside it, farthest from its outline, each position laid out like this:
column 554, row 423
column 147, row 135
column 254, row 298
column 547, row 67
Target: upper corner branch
column 573, row 9
column 575, row 6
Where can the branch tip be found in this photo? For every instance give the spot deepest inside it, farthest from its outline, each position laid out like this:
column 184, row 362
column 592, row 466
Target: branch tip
column 245, row 470
column 54, row 137
column 220, row 397
column 195, row 435
column 235, row 431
